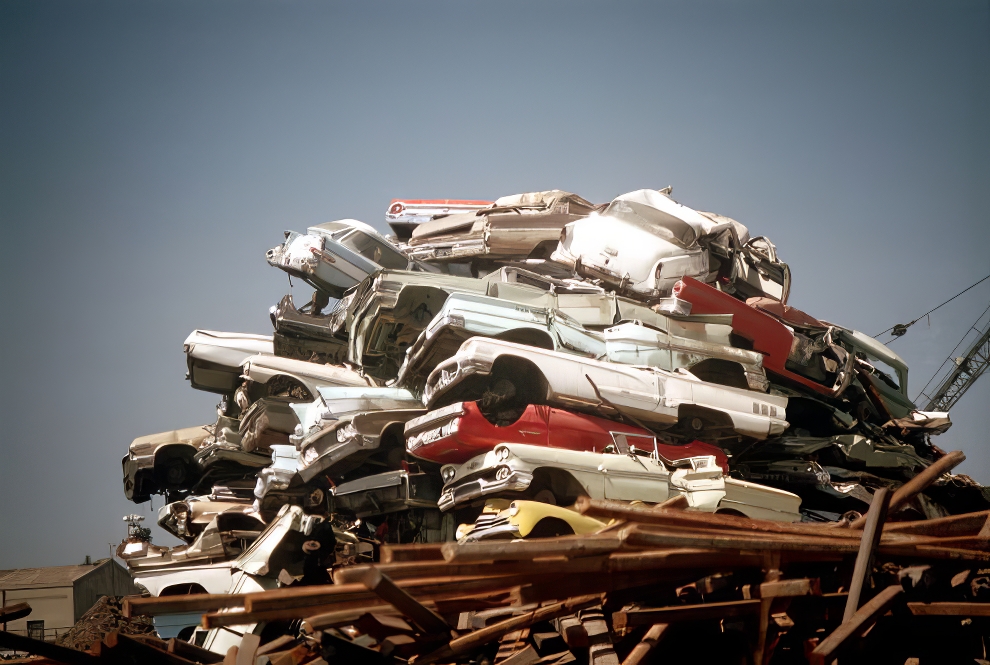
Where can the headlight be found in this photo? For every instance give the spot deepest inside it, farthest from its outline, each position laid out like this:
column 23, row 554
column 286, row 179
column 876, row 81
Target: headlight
column 462, row 530
column 502, row 473
column 346, row 433
column 502, row 453
column 513, row 509
column 447, row 473
column 310, row 455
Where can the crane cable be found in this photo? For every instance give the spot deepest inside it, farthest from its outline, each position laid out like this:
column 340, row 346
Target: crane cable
column 901, row 328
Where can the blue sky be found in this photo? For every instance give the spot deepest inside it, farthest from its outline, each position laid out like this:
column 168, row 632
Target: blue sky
column 151, row 152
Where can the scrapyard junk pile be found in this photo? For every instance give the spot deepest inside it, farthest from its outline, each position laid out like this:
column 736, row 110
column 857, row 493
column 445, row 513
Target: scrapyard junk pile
column 540, row 429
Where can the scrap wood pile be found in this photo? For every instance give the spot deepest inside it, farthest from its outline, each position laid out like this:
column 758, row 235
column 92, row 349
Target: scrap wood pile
column 105, row 617
column 657, row 584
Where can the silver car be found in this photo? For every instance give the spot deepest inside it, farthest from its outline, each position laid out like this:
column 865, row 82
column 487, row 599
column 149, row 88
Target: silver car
column 335, row 256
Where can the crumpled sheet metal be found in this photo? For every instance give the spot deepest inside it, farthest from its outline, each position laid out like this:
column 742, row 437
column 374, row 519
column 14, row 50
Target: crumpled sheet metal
column 933, row 422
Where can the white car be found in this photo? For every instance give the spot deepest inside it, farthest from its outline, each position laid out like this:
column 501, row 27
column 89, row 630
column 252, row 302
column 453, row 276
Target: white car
column 496, row 370
column 644, row 241
column 559, row 476
column 214, row 358
column 335, row 256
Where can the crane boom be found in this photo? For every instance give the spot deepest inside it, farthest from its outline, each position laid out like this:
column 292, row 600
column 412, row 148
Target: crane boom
column 964, row 370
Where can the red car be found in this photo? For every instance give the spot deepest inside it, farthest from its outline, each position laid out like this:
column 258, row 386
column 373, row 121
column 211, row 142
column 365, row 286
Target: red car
column 456, row 433
column 760, row 323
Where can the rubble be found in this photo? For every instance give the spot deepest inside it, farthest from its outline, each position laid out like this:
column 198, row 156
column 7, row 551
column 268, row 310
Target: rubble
column 538, row 429
column 105, row 617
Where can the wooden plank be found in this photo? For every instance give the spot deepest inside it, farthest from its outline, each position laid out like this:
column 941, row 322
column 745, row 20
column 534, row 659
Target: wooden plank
column 308, row 598
column 647, row 536
column 953, row 609
column 790, row 588
column 675, row 613
column 941, row 527
column 201, row 602
column 45, row 649
column 14, row 612
column 864, row 617
column 872, row 529
column 411, row 552
column 499, row 550
column 647, row 644
column 616, row 562
column 658, row 515
column 387, row 590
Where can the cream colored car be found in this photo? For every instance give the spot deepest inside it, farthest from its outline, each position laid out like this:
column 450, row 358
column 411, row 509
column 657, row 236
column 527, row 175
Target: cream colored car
column 559, row 476
column 525, row 519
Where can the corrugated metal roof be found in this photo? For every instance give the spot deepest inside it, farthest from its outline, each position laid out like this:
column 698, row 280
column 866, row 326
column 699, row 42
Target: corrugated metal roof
column 26, row 578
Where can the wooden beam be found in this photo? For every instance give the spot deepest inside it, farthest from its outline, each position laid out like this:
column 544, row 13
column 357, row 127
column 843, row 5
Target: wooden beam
column 677, row 613
column 658, row 515
column 384, row 588
column 647, row 644
column 45, row 649
column 306, row 599
column 499, row 550
column 14, row 612
column 200, row 602
column 872, row 529
column 952, row 609
column 864, row 617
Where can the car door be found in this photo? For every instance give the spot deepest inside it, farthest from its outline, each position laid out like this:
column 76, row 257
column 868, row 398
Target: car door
column 630, row 477
column 623, row 386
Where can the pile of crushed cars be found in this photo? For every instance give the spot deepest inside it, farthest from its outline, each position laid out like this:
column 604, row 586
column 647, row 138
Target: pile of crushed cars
column 494, row 362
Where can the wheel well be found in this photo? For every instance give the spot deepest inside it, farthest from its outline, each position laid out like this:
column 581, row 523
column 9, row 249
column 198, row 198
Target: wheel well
column 531, row 384
column 187, row 589
column 565, row 487
column 550, row 527
column 392, row 444
column 710, row 417
column 529, row 337
column 723, row 372
column 182, row 451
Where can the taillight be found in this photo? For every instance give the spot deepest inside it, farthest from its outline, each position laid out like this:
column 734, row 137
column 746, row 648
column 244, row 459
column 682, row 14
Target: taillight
column 678, row 287
column 396, row 208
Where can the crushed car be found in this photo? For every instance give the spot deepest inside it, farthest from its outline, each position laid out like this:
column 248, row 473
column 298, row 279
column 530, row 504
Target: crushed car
column 404, row 215
column 643, row 242
column 512, row 376
column 334, row 256
column 560, row 476
column 517, row 227
column 456, row 433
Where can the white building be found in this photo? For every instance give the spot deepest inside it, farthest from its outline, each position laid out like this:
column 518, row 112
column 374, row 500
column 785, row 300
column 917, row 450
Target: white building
column 59, row 595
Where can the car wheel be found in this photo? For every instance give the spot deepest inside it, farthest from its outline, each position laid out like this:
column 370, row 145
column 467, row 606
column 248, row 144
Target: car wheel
column 545, row 496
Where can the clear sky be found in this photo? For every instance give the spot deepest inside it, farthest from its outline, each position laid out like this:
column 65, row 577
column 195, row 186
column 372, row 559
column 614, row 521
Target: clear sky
column 150, row 152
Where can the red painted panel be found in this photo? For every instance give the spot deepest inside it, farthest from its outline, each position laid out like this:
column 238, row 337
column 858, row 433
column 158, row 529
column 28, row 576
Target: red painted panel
column 573, row 431
column 768, row 335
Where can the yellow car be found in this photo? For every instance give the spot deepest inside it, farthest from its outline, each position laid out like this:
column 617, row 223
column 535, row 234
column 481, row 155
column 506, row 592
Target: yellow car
column 525, row 519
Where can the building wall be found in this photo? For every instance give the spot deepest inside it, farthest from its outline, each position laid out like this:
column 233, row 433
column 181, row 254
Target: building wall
column 53, row 605
column 108, row 579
